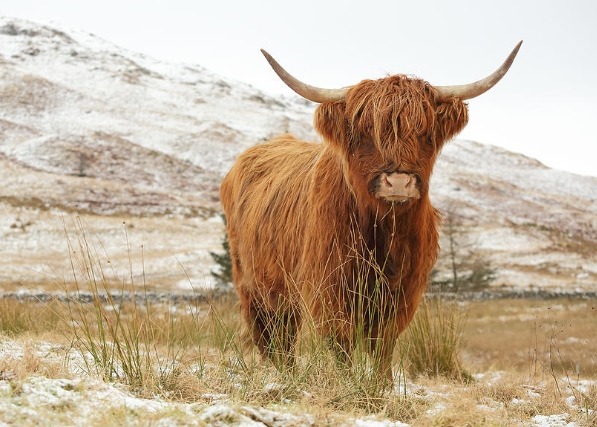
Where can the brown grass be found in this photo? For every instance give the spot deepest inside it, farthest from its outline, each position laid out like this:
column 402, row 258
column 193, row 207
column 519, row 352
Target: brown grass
column 533, row 337
column 525, row 356
column 20, row 317
column 510, row 384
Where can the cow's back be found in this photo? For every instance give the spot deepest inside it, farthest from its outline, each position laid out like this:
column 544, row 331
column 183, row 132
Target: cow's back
column 265, row 199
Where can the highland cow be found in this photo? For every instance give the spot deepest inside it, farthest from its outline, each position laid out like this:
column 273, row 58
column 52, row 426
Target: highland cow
column 343, row 232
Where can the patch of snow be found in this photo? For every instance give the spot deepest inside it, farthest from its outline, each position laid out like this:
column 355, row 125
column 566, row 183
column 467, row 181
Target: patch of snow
column 553, row 421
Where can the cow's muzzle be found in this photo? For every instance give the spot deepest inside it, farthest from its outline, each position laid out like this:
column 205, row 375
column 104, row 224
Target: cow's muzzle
column 397, row 187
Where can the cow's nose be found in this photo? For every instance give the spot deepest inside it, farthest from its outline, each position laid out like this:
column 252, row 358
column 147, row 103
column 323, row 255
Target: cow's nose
column 399, row 181
column 397, row 186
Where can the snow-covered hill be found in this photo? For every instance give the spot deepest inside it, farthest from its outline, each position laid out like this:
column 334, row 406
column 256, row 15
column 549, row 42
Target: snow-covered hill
column 77, row 106
column 89, row 127
column 537, row 226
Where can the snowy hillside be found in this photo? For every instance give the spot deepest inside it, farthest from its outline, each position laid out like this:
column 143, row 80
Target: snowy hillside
column 116, row 136
column 537, row 225
column 75, row 105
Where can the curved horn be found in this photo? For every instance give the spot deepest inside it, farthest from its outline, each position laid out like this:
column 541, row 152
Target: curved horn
column 311, row 93
column 477, row 88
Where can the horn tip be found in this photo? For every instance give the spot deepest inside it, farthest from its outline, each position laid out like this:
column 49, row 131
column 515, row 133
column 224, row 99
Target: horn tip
column 512, row 55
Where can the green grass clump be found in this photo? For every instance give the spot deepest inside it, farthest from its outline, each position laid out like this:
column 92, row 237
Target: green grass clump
column 132, row 341
column 431, row 344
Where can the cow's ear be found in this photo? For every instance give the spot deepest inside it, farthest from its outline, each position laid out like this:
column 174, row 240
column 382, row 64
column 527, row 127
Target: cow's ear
column 452, row 117
column 330, row 121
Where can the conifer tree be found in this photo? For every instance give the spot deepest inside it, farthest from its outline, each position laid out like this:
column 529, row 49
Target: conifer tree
column 224, row 275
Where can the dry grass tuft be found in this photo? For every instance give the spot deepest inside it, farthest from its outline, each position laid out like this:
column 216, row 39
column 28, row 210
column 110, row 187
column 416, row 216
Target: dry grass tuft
column 28, row 359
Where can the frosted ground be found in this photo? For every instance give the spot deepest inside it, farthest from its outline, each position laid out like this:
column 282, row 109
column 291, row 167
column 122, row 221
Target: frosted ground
column 82, row 400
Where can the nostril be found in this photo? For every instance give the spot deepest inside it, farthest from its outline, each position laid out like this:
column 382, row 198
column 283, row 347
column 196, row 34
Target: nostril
column 387, row 181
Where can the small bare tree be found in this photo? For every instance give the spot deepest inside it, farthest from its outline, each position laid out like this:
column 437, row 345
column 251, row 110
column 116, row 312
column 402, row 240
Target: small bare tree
column 468, row 269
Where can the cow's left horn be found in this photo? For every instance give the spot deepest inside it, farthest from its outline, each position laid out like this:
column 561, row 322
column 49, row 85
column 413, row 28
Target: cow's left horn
column 309, row 92
column 477, row 88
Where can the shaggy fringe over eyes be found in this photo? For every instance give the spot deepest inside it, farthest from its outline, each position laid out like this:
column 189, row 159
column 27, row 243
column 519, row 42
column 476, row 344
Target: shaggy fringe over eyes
column 396, row 108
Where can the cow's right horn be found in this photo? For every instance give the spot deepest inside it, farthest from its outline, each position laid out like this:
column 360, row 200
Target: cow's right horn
column 309, row 92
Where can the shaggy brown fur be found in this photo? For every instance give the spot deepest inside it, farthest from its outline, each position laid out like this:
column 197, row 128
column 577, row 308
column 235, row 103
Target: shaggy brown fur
column 306, row 229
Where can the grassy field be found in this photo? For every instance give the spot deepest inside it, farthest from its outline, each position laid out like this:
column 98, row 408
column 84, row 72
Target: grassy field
column 501, row 362
column 533, row 336
column 523, row 359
